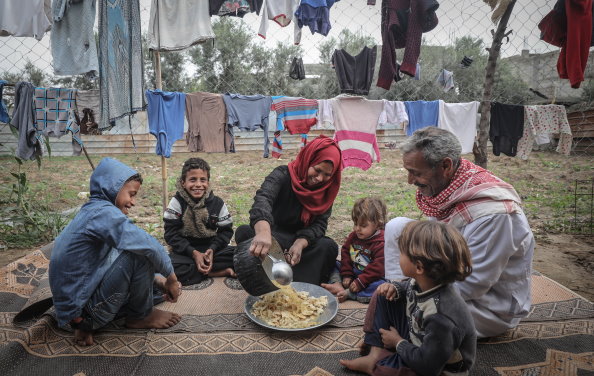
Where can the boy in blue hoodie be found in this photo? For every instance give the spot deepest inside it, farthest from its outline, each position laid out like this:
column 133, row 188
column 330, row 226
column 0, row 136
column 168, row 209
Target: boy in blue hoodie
column 103, row 266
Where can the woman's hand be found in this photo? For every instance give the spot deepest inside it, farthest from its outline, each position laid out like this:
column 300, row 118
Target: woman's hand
column 388, row 290
column 262, row 241
column 294, row 255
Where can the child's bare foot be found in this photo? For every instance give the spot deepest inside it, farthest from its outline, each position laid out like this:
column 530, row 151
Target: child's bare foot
column 342, row 296
column 365, row 364
column 157, row 319
column 229, row 272
column 337, row 290
column 83, row 338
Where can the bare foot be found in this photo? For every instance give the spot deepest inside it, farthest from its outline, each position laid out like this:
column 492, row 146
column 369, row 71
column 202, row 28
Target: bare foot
column 83, row 338
column 157, row 319
column 342, row 296
column 335, row 288
column 223, row 273
column 365, row 364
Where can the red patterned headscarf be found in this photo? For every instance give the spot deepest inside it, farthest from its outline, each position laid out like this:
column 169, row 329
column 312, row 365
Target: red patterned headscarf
column 319, row 200
column 472, row 193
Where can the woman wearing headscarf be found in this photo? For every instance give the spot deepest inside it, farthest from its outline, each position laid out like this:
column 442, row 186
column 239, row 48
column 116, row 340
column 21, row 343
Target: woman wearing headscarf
column 293, row 205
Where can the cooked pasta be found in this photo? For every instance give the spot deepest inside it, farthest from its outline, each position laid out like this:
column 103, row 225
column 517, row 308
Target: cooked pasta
column 287, row 308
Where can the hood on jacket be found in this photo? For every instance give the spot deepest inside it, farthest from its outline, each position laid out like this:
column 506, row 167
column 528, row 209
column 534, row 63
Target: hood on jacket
column 108, row 178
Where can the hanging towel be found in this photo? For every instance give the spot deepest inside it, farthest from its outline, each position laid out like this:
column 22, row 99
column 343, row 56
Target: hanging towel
column 88, row 100
column 460, row 119
column 544, row 120
column 207, row 123
column 120, row 60
column 355, row 73
column 316, row 15
column 165, row 112
column 176, row 25
column 25, row 18
column 249, row 112
column 23, row 120
column 394, row 112
column 277, row 145
column 297, row 70
column 4, row 117
column 325, row 118
column 73, row 45
column 506, row 128
column 281, row 12
column 52, row 107
column 297, row 115
column 355, row 121
column 445, row 80
column 421, row 114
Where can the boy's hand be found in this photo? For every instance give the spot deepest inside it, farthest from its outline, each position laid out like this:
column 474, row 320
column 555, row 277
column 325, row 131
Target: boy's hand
column 387, row 290
column 208, row 260
column 354, row 287
column 346, row 282
column 199, row 260
column 390, row 338
column 172, row 288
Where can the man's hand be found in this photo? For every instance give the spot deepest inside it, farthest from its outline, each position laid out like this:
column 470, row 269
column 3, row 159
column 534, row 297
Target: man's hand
column 262, row 241
column 346, row 282
column 387, row 290
column 390, row 338
column 208, row 260
column 199, row 260
column 172, row 288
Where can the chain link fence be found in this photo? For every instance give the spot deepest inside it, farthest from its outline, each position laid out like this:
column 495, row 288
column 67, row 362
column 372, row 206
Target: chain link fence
column 240, row 61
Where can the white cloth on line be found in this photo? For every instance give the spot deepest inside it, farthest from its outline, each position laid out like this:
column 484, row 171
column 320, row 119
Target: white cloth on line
column 25, row 18
column 460, row 119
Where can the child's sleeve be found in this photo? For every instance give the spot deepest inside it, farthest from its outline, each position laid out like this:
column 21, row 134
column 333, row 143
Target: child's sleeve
column 224, row 229
column 375, row 269
column 441, row 339
column 346, row 264
column 118, row 231
column 173, row 225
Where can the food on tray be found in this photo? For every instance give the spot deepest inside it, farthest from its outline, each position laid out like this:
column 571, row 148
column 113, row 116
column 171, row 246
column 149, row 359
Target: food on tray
column 287, row 308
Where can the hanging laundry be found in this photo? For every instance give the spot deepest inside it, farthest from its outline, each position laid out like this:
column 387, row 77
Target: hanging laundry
column 165, row 112
column 355, row 121
column 418, row 72
column 355, row 73
column 23, row 120
column 249, row 112
column 501, row 6
column 207, row 123
column 506, row 128
column 4, row 117
column 316, row 15
column 544, row 120
column 73, row 45
column 303, row 141
column 120, row 60
column 27, row 18
column 460, row 119
column 394, row 112
column 88, row 110
column 255, row 5
column 281, row 12
column 176, row 25
column 297, row 115
column 325, row 118
column 73, row 126
column 421, row 114
column 235, row 8
column 403, row 23
column 466, row 61
column 445, row 80
column 297, row 70
column 52, row 107
column 569, row 26
column 277, row 145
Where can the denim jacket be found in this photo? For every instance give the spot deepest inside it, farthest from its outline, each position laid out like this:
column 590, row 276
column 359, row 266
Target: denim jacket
column 86, row 248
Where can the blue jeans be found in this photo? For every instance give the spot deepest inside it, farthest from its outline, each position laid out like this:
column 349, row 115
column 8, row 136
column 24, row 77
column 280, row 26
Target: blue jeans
column 125, row 290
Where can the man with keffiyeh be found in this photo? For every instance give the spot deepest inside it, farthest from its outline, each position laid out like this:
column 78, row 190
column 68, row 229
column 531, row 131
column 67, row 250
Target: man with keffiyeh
column 487, row 211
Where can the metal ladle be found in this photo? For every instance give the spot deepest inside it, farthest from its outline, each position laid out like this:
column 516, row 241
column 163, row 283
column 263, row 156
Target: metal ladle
column 281, row 271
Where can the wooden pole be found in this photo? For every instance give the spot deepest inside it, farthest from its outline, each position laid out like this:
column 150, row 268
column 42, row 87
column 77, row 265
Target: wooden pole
column 163, row 160
column 480, row 150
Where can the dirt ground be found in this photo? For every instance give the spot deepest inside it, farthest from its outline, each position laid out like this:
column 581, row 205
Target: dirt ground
column 544, row 182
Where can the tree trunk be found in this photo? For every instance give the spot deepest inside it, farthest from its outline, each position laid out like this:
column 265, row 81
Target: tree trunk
column 480, row 150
